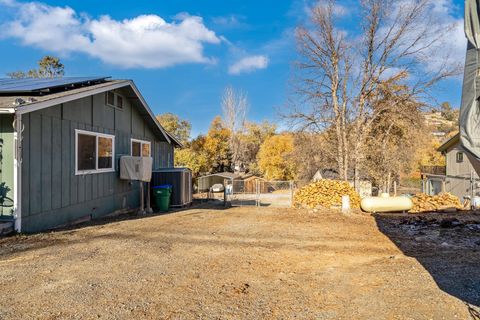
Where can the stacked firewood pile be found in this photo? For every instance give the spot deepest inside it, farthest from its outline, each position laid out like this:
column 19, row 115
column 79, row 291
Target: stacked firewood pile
column 327, row 194
column 441, row 202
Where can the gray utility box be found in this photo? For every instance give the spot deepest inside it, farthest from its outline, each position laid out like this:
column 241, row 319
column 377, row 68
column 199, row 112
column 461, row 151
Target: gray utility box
column 181, row 181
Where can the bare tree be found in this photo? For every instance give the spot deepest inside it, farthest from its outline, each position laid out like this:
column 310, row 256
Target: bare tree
column 394, row 136
column 339, row 75
column 325, row 70
column 234, row 108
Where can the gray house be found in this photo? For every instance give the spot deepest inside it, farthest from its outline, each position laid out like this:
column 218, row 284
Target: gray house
column 459, row 171
column 61, row 140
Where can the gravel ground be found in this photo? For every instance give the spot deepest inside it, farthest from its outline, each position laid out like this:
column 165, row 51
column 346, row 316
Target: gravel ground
column 242, row 263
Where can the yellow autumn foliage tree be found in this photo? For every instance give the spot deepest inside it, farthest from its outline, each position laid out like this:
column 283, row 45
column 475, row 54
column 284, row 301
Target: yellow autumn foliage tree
column 430, row 156
column 216, row 146
column 274, row 157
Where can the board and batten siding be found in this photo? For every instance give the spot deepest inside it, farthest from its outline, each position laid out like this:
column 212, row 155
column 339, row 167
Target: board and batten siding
column 52, row 194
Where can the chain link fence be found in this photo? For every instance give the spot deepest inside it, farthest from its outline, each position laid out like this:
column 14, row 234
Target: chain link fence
column 259, row 193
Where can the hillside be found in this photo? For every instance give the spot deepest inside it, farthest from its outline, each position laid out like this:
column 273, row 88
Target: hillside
column 441, row 124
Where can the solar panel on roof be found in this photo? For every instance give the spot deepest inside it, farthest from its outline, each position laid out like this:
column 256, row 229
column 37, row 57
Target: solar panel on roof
column 38, row 85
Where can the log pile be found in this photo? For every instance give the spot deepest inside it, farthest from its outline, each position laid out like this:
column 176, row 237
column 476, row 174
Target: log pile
column 441, row 202
column 327, row 194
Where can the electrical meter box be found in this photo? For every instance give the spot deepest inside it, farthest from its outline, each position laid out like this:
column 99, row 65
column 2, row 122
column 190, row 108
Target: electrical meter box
column 136, row 168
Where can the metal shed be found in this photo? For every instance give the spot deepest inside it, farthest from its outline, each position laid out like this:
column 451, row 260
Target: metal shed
column 206, row 182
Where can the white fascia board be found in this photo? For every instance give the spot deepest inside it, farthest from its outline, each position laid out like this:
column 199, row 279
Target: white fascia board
column 17, row 173
column 48, row 103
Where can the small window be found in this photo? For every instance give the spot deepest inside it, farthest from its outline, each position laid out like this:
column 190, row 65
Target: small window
column 140, row 148
column 119, row 102
column 94, row 152
column 136, row 147
column 459, row 157
column 146, row 150
column 110, row 98
column 113, row 99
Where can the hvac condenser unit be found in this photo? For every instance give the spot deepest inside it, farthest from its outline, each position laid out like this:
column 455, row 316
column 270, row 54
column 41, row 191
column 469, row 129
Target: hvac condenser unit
column 181, row 181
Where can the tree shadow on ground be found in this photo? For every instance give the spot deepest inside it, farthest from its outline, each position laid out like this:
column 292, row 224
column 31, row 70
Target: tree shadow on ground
column 448, row 248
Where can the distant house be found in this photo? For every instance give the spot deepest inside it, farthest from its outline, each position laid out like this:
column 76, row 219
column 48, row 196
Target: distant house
column 458, row 170
column 325, row 174
column 61, row 141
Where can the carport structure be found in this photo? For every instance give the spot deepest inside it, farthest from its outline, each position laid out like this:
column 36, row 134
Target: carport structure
column 206, row 182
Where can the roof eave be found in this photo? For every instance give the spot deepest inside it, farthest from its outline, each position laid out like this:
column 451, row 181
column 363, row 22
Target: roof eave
column 149, row 111
column 175, row 140
column 7, row 110
column 449, row 143
column 48, row 103
column 34, row 106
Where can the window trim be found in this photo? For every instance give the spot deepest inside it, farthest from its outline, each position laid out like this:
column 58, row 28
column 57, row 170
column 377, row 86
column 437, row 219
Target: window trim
column 106, row 98
column 115, row 100
column 118, row 96
column 142, row 142
column 96, row 135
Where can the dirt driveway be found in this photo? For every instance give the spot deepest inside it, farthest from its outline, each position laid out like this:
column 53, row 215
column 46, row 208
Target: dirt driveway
column 242, row 263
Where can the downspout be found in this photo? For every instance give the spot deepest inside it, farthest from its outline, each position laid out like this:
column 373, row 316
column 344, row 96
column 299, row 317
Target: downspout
column 17, row 171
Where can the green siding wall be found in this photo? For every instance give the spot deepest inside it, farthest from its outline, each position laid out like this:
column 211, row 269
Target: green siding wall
column 6, row 156
column 52, row 194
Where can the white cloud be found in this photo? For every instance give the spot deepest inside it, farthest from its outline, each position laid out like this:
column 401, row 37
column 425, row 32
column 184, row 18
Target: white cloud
column 338, row 10
column 248, row 64
column 232, row 21
column 146, row 41
column 442, row 20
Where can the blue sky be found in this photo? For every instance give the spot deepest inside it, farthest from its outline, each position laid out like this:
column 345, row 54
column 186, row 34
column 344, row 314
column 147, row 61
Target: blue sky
column 204, row 46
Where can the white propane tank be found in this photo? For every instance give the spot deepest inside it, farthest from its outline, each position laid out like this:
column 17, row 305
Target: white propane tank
column 386, row 204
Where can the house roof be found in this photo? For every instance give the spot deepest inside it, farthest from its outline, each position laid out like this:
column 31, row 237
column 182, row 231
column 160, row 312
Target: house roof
column 39, row 86
column 175, row 140
column 449, row 143
column 8, row 100
column 332, row 174
column 226, row 175
column 251, row 177
column 32, row 103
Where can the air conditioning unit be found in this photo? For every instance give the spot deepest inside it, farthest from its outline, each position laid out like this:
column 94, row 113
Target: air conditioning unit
column 136, row 168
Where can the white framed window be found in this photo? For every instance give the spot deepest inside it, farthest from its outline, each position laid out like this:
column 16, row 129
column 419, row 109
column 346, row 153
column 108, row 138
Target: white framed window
column 459, row 157
column 119, row 103
column 113, row 99
column 140, row 148
column 94, row 152
column 110, row 98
